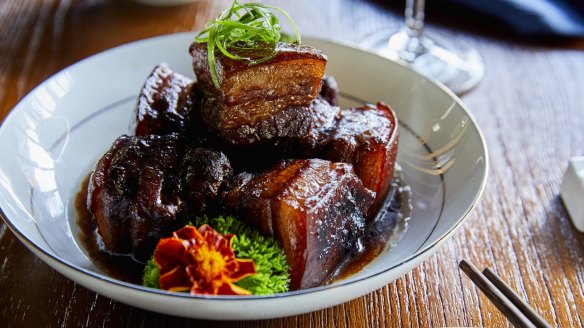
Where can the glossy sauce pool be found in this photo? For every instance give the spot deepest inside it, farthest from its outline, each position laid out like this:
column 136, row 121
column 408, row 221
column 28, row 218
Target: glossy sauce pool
column 381, row 233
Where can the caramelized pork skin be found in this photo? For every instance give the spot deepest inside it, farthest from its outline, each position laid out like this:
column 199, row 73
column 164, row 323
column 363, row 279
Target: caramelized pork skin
column 134, row 193
column 144, row 188
column 296, row 124
column 315, row 208
column 249, row 94
column 164, row 102
column 366, row 137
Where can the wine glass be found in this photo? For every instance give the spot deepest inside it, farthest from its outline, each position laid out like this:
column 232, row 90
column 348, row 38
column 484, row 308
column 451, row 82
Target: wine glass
column 447, row 60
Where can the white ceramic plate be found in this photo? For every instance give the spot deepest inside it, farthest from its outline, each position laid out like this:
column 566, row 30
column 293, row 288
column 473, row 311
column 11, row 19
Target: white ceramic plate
column 57, row 133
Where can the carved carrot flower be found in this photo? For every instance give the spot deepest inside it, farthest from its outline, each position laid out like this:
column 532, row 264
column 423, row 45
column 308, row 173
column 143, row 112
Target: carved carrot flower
column 201, row 261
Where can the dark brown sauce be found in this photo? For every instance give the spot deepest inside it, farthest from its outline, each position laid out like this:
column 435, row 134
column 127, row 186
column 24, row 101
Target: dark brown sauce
column 120, row 267
column 383, row 232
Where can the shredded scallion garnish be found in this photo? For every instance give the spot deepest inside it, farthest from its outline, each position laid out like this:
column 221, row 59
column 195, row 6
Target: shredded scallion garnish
column 248, row 32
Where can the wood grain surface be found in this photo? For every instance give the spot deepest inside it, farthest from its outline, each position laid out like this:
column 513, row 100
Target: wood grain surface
column 530, row 106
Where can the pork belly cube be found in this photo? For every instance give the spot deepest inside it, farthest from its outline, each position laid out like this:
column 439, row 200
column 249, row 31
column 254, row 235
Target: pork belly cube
column 133, row 194
column 145, row 187
column 294, row 72
column 164, row 103
column 304, row 124
column 314, row 208
column 251, row 93
column 298, row 132
column 367, row 137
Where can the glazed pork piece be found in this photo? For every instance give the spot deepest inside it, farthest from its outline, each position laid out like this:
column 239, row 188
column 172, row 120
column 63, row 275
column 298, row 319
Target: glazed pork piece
column 164, row 102
column 292, row 75
column 134, row 194
column 366, row 137
column 315, row 208
column 298, row 128
column 171, row 103
column 298, row 132
column 249, row 94
column 140, row 190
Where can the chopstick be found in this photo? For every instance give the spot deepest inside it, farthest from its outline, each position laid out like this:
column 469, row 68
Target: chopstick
column 503, row 297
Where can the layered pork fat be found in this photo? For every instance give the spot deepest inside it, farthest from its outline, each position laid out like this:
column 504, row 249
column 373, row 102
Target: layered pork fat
column 366, row 137
column 315, row 208
column 134, row 193
column 296, row 127
column 165, row 102
column 249, row 94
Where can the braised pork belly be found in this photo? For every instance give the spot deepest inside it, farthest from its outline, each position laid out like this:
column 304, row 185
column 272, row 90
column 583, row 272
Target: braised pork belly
column 134, row 193
column 164, row 103
column 145, row 187
column 315, row 208
column 249, row 94
column 366, row 137
column 269, row 144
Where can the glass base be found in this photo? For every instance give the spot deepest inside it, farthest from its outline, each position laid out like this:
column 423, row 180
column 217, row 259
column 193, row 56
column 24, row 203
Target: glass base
column 444, row 59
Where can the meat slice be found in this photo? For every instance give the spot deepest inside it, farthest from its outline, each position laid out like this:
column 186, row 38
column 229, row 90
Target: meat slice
column 366, row 137
column 301, row 123
column 294, row 72
column 298, row 132
column 315, row 208
column 164, row 102
column 133, row 193
column 145, row 187
column 249, row 94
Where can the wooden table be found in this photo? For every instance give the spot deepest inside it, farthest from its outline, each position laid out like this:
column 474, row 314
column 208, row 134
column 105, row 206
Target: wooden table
column 529, row 106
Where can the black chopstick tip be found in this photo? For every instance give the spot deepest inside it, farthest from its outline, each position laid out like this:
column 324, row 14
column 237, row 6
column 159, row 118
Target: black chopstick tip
column 468, row 268
column 503, row 297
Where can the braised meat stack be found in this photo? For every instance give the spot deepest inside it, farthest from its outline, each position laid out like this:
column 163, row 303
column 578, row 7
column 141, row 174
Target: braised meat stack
column 150, row 184
column 270, row 144
column 248, row 95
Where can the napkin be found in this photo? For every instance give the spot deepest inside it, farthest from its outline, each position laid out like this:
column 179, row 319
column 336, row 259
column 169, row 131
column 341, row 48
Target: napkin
column 533, row 18
column 572, row 191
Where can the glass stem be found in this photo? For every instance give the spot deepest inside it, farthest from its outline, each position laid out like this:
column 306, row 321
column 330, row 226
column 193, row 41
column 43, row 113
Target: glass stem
column 414, row 18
